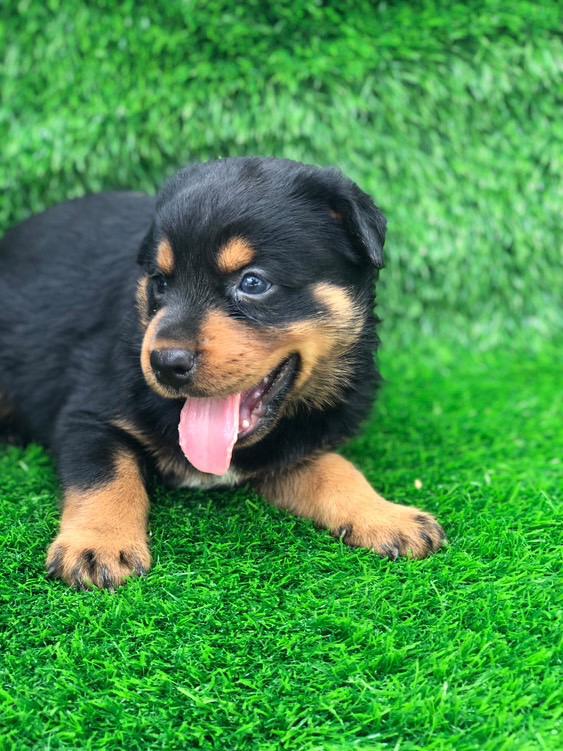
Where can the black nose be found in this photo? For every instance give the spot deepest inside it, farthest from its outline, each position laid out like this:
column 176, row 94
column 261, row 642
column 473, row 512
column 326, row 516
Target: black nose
column 173, row 367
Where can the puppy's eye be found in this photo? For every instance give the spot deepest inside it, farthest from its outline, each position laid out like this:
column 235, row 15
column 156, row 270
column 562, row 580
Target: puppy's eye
column 159, row 285
column 253, row 284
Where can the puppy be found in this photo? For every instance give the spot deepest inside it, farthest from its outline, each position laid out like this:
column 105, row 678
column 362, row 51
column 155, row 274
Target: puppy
column 239, row 350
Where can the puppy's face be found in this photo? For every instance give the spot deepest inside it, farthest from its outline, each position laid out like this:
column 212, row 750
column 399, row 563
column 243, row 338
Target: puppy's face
column 258, row 279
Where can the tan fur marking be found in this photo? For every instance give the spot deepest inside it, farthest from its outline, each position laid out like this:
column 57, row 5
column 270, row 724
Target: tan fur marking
column 165, row 257
column 107, row 522
column 234, row 357
column 149, row 343
column 235, row 255
column 341, row 305
column 229, row 345
column 332, row 492
column 326, row 366
column 143, row 300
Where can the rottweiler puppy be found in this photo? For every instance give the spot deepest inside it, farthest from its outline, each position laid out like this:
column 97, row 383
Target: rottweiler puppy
column 220, row 334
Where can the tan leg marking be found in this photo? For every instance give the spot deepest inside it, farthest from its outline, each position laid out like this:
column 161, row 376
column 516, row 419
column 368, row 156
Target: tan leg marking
column 333, row 493
column 103, row 534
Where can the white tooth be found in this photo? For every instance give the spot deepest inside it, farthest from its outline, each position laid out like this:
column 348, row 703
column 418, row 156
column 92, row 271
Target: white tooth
column 265, row 380
column 246, row 424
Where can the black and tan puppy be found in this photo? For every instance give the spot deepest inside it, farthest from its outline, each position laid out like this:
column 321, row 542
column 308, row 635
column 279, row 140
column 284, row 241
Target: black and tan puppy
column 241, row 351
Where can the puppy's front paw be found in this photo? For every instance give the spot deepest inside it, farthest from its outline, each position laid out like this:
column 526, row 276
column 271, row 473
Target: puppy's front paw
column 85, row 557
column 394, row 531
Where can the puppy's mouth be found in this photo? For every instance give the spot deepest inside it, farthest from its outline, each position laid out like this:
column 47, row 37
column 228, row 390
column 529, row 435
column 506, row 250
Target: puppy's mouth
column 211, row 427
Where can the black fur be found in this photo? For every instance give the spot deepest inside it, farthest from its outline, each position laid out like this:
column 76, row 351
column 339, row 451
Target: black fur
column 70, row 335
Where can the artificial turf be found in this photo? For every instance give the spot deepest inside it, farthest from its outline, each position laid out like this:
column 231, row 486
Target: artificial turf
column 256, row 631
column 446, row 112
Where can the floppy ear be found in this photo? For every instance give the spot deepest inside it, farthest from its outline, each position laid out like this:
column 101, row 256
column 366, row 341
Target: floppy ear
column 363, row 222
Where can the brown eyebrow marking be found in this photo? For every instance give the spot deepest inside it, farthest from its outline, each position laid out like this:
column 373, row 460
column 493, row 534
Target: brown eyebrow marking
column 165, row 257
column 235, row 255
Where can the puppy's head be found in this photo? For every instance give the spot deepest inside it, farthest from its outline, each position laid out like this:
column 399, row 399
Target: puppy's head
column 258, row 281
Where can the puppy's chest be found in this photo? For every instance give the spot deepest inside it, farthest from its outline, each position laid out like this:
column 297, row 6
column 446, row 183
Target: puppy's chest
column 177, row 473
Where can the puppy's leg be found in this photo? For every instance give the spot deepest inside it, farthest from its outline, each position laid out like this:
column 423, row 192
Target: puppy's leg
column 103, row 533
column 335, row 495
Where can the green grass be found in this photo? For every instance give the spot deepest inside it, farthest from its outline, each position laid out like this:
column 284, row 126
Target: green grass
column 256, row 631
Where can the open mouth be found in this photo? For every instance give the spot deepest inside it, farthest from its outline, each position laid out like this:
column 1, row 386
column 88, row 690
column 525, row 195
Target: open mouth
column 210, row 427
column 256, row 404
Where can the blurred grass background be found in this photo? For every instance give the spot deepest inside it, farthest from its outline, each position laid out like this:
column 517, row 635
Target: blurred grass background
column 255, row 631
column 446, row 112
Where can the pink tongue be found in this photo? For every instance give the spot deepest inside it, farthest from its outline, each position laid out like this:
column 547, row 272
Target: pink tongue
column 208, row 431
